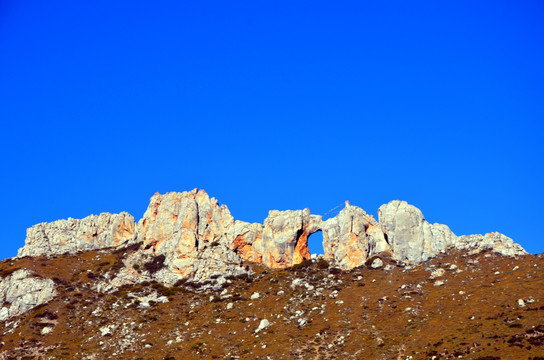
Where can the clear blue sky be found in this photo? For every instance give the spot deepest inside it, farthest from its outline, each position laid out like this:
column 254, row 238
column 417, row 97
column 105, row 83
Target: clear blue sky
column 274, row 105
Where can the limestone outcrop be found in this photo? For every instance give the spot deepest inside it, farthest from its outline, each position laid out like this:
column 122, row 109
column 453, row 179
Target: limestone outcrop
column 495, row 241
column 410, row 236
column 351, row 237
column 413, row 239
column 22, row 291
column 191, row 236
column 72, row 235
column 191, row 230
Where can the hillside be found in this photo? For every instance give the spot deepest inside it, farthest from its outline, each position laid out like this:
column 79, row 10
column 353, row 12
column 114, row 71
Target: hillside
column 314, row 312
column 188, row 281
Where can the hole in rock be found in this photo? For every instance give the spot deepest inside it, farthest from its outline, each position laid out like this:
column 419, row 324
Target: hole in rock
column 315, row 243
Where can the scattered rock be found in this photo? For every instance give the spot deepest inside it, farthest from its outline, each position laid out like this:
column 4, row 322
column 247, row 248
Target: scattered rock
column 437, row 273
column 262, row 325
column 107, row 330
column 46, row 330
column 376, row 263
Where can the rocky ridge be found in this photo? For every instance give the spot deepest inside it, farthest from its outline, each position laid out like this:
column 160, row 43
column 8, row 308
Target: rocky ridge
column 191, row 273
column 198, row 239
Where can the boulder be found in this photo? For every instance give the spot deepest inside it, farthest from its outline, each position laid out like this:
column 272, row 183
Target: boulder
column 21, row 291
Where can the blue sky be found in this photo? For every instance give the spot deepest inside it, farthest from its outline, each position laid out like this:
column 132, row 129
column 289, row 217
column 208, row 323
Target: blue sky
column 274, row 105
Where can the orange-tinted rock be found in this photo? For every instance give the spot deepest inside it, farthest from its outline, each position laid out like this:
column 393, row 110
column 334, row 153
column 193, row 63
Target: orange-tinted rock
column 351, row 237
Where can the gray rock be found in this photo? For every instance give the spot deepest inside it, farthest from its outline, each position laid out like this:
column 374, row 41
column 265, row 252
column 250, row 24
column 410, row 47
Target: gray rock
column 285, row 235
column 22, row 291
column 410, row 236
column 72, row 235
column 413, row 239
column 495, row 241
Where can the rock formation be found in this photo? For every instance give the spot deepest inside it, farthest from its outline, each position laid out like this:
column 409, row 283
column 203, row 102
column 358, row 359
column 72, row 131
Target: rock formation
column 190, row 236
column 72, row 235
column 351, row 237
column 414, row 240
column 410, row 236
column 22, row 291
column 191, row 231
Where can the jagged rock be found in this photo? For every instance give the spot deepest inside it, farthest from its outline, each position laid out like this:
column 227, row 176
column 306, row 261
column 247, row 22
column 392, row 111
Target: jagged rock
column 72, row 235
column 351, row 237
column 190, row 236
column 495, row 241
column 412, row 238
column 284, row 240
column 245, row 235
column 22, row 291
column 191, row 231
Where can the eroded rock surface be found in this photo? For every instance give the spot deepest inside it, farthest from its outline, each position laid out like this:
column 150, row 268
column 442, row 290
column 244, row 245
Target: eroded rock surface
column 284, row 240
column 413, row 239
column 22, row 291
column 495, row 241
column 351, row 237
column 191, row 236
column 191, row 230
column 72, row 235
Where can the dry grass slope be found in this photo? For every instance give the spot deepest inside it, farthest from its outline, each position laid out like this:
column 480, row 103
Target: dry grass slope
column 314, row 312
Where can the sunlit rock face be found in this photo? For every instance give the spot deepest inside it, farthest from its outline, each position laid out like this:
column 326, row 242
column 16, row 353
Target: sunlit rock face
column 191, row 236
column 23, row 290
column 410, row 236
column 351, row 237
column 69, row 236
column 413, row 239
column 282, row 241
column 191, row 230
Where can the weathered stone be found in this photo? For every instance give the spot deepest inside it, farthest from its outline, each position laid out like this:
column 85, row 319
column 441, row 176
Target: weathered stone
column 191, row 230
column 495, row 241
column 413, row 239
column 22, row 291
column 72, row 235
column 410, row 236
column 190, row 236
column 351, row 237
column 284, row 240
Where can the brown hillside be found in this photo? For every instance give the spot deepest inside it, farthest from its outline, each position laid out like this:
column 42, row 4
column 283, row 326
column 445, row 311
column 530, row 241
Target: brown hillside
column 393, row 313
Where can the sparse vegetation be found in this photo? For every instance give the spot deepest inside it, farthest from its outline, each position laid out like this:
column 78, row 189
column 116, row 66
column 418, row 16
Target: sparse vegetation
column 474, row 315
